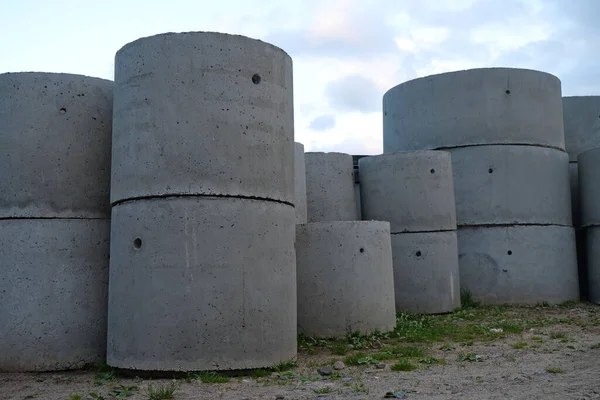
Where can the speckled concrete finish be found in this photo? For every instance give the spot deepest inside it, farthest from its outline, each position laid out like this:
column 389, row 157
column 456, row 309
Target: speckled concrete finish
column 201, row 283
column 426, row 276
column 414, row 191
column 55, row 136
column 519, row 264
column 53, row 290
column 511, row 185
column 330, row 187
column 581, row 115
column 203, row 113
column 300, row 184
column 345, row 278
column 474, row 107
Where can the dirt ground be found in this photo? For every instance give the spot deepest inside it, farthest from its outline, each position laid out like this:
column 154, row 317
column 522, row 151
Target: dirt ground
column 545, row 352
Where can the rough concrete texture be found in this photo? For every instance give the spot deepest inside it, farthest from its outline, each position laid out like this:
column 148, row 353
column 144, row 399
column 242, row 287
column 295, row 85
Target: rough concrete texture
column 53, row 290
column 426, row 276
column 580, row 242
column 300, row 184
column 202, row 283
column 55, row 136
column 511, row 185
column 589, row 187
column 345, row 278
column 593, row 263
column 357, row 196
column 518, row 264
column 203, row 113
column 414, row 191
column 575, row 207
column 474, row 107
column 330, row 187
column 581, row 115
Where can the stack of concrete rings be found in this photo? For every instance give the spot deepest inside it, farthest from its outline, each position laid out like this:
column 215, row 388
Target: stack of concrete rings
column 581, row 116
column 202, row 268
column 55, row 135
column 344, row 266
column 414, row 191
column 504, row 130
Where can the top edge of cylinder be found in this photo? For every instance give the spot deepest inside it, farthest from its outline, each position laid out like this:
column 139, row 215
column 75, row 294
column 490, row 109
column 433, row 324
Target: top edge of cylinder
column 326, row 224
column 328, row 153
column 587, row 96
column 198, row 34
column 53, row 74
column 466, row 71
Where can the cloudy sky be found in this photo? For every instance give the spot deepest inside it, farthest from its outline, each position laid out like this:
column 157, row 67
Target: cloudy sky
column 346, row 53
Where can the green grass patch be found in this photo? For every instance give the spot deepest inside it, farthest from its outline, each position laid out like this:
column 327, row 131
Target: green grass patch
column 213, row 377
column 324, row 390
column 555, row 371
column 404, row 365
column 519, row 345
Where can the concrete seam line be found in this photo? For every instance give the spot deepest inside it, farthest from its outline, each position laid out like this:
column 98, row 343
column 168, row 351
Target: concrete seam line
column 409, row 232
column 499, row 144
column 509, row 225
column 62, row 218
column 182, row 195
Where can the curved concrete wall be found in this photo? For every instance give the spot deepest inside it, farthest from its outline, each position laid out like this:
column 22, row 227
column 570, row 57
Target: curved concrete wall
column 300, row 184
column 589, row 187
column 202, row 283
column 55, row 136
column 474, row 107
column 593, row 263
column 581, row 115
column 345, row 278
column 203, row 113
column 53, row 290
column 511, row 185
column 414, row 191
column 330, row 189
column 426, row 275
column 519, row 264
column 574, row 183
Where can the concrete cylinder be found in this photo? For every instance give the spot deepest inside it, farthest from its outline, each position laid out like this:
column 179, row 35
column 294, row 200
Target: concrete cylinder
column 203, row 113
column 202, row 283
column 300, row 184
column 593, row 263
column 574, row 183
column 426, row 275
column 53, row 290
column 589, row 187
column 345, row 278
column 511, row 185
column 474, row 107
column 55, row 136
column 519, row 264
column 581, row 116
column 330, row 187
column 414, row 191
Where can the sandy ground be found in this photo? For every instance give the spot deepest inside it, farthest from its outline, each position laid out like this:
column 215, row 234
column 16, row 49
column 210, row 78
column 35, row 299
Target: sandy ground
column 504, row 370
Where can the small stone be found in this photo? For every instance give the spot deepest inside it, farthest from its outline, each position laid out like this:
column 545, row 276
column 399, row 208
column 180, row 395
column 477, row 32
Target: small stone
column 346, row 379
column 376, row 344
column 325, row 371
column 279, row 397
column 339, row 365
column 380, row 366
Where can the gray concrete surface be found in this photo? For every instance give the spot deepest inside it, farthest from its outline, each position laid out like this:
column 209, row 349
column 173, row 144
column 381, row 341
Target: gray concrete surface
column 593, row 263
column 581, row 115
column 345, row 278
column 575, row 206
column 582, row 266
column 202, row 283
column 518, row 264
column 426, row 275
column 589, row 187
column 414, row 191
column 53, row 291
column 300, row 184
column 330, row 187
column 358, row 200
column 203, row 113
column 511, row 185
column 474, row 107
column 55, row 136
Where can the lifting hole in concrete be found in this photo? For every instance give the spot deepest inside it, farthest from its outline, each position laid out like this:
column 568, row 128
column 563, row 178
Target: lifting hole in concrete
column 137, row 243
column 362, row 250
column 507, row 91
column 418, row 254
column 490, row 171
column 63, row 110
column 509, row 252
column 256, row 79
column 432, row 171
